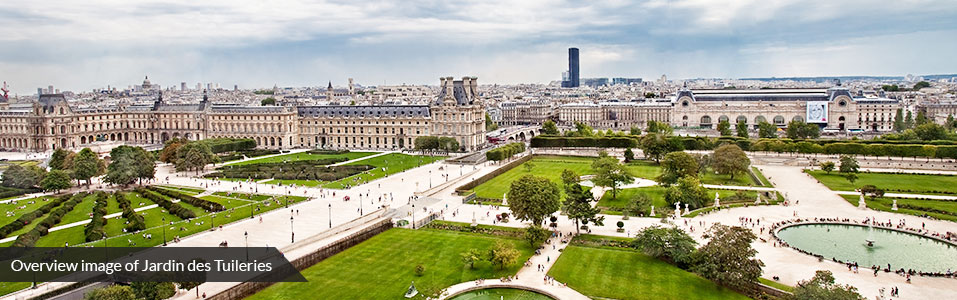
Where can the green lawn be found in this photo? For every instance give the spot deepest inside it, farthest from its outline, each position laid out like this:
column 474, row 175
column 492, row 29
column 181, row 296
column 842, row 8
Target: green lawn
column 657, row 195
column 649, row 170
column 892, row 183
column 920, row 207
column 182, row 189
column 382, row 267
column 764, row 180
column 384, row 165
column 304, row 156
column 550, row 167
column 626, row 274
column 777, row 285
column 12, row 206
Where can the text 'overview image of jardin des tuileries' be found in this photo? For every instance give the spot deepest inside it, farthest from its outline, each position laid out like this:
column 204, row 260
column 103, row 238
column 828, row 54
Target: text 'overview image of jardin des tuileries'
column 729, row 149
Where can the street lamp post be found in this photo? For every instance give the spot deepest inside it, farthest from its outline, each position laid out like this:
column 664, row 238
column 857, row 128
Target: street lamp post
column 330, row 215
column 413, row 216
column 164, row 231
column 360, row 205
column 246, row 236
column 430, row 179
column 292, row 230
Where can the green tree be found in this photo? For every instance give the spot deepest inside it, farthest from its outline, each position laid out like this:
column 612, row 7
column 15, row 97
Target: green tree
column 113, row 292
column 549, row 128
column 909, row 120
column 728, row 258
column 57, row 158
column 533, row 198
column 268, row 101
column 650, row 95
column 724, row 127
column 21, row 177
column 899, row 120
column 503, row 254
column 56, row 180
column 153, row 290
column 742, row 129
column 448, row 144
column 582, row 129
column 609, row 172
column 827, row 166
column 193, row 156
column 848, row 164
column 578, row 207
column 950, row 124
column 890, row 87
column 168, row 154
column 661, row 128
column 123, row 168
column 471, row 256
column 851, row 177
column 489, row 124
column 145, row 164
column 670, row 243
column 800, row 130
column 921, row 118
column 729, row 159
column 823, row 287
column 920, row 85
column 87, row 165
column 535, row 235
column 767, row 130
column 640, row 203
column 676, row 165
column 634, row 130
column 529, row 165
column 426, row 143
column 629, row 155
column 688, row 190
column 930, row 131
column 655, row 146
column 569, row 177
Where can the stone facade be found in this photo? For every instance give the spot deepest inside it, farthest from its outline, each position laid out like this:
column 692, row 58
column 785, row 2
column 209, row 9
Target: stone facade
column 52, row 123
column 614, row 115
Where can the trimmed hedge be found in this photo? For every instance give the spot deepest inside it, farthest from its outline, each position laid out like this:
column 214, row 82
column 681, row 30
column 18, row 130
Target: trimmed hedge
column 26, row 218
column 6, row 191
column 220, row 145
column 43, row 228
column 94, row 230
column 603, row 142
column 134, row 221
column 172, row 208
column 301, row 169
column 505, row 152
column 205, row 204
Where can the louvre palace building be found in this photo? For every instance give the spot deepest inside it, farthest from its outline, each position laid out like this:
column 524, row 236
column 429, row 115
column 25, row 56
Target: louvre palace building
column 52, row 123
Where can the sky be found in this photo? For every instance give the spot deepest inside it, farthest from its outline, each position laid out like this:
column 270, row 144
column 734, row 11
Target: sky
column 82, row 45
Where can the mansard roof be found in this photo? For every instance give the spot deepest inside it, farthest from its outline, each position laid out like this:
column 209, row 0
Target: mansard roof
column 385, row 111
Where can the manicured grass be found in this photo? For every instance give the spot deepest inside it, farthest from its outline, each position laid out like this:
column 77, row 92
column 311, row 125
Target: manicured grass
column 303, row 156
column 80, row 212
column 649, row 170
column 384, row 165
column 227, row 202
column 383, row 266
column 657, row 195
column 301, row 182
column 764, row 180
column 13, row 206
column 550, row 167
column 892, row 183
column 886, row 203
column 644, row 169
column 777, row 285
column 182, row 189
column 627, row 274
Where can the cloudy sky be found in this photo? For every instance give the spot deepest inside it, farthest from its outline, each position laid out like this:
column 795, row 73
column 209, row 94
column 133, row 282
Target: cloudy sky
column 80, row 45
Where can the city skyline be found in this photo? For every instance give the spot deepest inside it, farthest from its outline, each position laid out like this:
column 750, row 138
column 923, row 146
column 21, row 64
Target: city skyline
column 100, row 43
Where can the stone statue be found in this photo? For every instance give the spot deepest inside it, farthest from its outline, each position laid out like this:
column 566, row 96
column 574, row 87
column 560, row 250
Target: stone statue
column 652, row 210
column 894, row 207
column 717, row 201
column 860, row 203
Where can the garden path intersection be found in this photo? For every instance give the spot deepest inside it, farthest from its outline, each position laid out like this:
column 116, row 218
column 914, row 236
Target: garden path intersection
column 328, row 208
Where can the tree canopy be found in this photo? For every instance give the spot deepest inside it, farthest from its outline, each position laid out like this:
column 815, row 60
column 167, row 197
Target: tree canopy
column 609, row 172
column 533, row 198
column 670, row 243
column 767, row 130
column 676, row 165
column 578, row 207
column 800, row 130
column 724, row 128
column 549, row 128
column 87, row 165
column 655, row 145
column 193, row 156
column 22, row 177
column 56, row 180
column 822, row 286
column 742, row 129
column 728, row 257
column 729, row 159
column 688, row 190
column 129, row 164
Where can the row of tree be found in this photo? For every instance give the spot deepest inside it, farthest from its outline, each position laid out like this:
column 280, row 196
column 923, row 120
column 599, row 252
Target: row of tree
column 505, row 152
column 432, row 143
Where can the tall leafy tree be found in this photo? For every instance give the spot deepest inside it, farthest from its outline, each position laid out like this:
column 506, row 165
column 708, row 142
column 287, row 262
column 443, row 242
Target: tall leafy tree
column 899, row 120
column 533, row 198
column 153, row 290
column 489, row 124
column 426, row 143
column 535, row 235
column 728, row 258
column 471, row 257
column 848, row 164
column 661, row 128
column 56, row 180
column 629, row 155
column 503, row 254
column 767, row 130
column 688, row 190
column 729, row 159
column 122, row 169
column 193, row 156
column 909, row 120
column 930, row 131
column 549, row 128
column 669, row 243
column 800, row 130
column 145, row 164
column 87, row 165
column 724, row 128
column 655, row 146
column 569, row 177
column 822, row 286
column 22, row 177
column 57, row 159
column 921, row 118
column 676, row 165
column 113, row 292
column 609, row 172
column 742, row 129
column 170, row 148
column 578, row 207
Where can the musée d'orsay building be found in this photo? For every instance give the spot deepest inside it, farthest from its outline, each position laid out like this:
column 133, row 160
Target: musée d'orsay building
column 52, row 123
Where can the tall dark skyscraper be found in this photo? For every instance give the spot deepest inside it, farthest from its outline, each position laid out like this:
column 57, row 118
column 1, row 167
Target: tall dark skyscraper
column 573, row 75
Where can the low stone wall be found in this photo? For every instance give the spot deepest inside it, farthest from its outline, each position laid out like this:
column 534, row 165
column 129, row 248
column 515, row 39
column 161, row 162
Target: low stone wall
column 247, row 289
column 500, row 285
column 773, row 291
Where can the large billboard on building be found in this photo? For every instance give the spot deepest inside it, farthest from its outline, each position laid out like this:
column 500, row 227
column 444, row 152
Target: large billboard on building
column 816, row 112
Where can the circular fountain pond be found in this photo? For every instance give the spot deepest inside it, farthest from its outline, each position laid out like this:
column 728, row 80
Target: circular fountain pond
column 499, row 294
column 849, row 243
